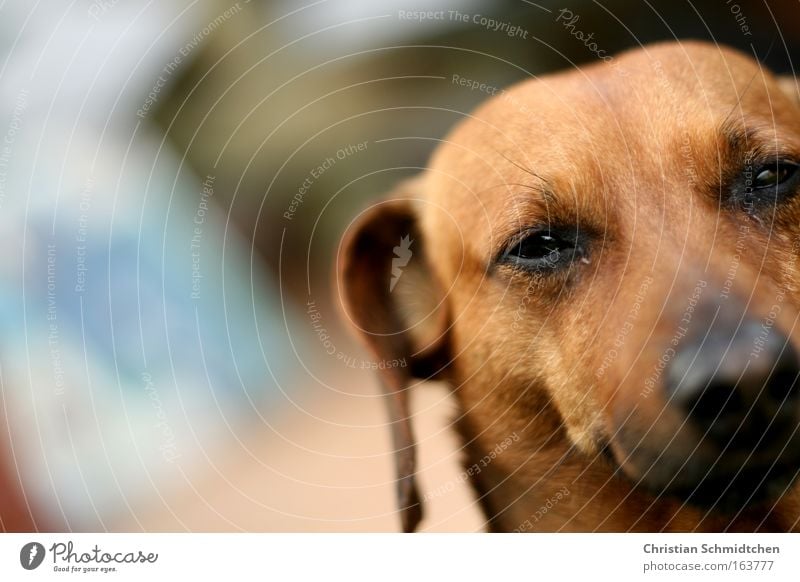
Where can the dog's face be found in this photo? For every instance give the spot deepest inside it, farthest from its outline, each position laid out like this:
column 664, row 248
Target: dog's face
column 603, row 264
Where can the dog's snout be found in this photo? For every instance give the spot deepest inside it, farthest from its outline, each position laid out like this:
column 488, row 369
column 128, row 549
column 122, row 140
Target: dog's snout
column 733, row 382
column 725, row 431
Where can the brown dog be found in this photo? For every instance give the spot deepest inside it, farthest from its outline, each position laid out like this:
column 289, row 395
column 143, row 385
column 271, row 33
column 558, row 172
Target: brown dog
column 602, row 265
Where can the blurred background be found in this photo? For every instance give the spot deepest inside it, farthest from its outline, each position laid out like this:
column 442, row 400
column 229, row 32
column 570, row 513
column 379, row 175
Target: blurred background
column 175, row 177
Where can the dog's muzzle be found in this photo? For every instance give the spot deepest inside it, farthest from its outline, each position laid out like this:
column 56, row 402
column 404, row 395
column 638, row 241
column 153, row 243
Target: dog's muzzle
column 725, row 432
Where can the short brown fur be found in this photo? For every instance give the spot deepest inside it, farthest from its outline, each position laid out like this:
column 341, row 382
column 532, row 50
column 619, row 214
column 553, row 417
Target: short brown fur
column 636, row 152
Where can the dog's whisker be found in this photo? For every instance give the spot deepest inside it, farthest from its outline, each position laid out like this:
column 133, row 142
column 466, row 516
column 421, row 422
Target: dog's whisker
column 523, row 168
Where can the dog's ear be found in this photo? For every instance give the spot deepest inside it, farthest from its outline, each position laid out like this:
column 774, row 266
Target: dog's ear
column 392, row 298
column 789, row 85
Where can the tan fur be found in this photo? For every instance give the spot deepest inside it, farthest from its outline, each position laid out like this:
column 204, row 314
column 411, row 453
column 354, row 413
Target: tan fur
column 632, row 149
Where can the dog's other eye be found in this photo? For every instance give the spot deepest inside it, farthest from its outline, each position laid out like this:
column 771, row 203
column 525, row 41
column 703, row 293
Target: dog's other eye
column 773, row 175
column 765, row 184
column 542, row 250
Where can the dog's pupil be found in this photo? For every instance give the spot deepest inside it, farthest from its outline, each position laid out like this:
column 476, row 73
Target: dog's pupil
column 768, row 177
column 545, row 249
column 540, row 246
column 774, row 175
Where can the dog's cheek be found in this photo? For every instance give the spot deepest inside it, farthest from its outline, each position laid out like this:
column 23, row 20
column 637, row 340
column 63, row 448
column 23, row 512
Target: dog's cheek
column 549, row 332
column 569, row 381
column 581, row 413
column 574, row 374
column 513, row 341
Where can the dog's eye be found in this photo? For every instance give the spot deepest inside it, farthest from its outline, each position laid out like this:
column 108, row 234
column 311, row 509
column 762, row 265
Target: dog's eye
column 773, row 175
column 542, row 250
column 765, row 184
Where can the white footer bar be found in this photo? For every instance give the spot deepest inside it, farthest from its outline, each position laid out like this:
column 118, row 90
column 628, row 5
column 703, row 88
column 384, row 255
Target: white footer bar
column 406, row 558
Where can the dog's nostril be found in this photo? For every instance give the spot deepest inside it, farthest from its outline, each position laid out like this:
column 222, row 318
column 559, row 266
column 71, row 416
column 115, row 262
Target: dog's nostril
column 719, row 410
column 718, row 401
column 770, row 370
column 783, row 381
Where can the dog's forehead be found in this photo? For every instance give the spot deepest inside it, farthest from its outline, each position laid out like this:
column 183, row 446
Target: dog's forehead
column 609, row 124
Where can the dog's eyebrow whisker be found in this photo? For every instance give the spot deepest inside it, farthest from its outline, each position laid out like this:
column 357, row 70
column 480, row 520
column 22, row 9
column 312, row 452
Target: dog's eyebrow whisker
column 740, row 96
column 545, row 193
column 523, row 168
column 518, row 184
column 738, row 138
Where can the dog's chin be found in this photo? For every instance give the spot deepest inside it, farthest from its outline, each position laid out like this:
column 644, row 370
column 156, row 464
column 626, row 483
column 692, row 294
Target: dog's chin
column 727, row 491
column 727, row 484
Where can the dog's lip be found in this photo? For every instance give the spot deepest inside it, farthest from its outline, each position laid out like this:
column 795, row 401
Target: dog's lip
column 730, row 490
column 607, row 453
column 724, row 482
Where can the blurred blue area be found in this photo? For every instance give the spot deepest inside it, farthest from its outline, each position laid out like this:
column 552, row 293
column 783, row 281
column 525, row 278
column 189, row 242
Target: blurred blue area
column 137, row 330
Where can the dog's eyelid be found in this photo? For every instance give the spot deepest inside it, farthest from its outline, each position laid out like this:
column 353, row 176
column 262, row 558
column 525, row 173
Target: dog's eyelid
column 773, row 174
column 544, row 230
column 761, row 179
column 546, row 248
column 757, row 144
column 756, row 157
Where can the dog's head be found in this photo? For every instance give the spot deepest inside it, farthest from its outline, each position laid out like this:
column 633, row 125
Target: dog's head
column 604, row 263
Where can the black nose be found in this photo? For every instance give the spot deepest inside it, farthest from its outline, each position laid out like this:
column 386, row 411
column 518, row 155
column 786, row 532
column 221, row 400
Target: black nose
column 736, row 381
